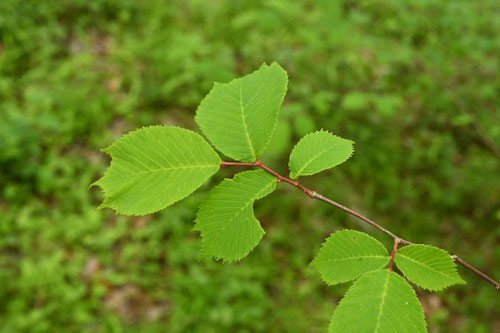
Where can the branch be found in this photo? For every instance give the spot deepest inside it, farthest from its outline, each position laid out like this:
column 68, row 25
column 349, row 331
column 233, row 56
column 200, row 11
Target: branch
column 394, row 250
column 361, row 217
column 475, row 270
column 397, row 239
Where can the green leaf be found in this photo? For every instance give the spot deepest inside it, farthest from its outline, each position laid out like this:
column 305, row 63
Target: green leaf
column 348, row 254
column 154, row 167
column 380, row 301
column 229, row 230
column 318, row 151
column 427, row 266
column 239, row 117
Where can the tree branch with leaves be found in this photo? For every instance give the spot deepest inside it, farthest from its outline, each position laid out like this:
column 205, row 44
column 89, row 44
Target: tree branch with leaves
column 156, row 166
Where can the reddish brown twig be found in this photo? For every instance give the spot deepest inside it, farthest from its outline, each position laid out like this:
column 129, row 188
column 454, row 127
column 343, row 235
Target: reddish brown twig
column 259, row 164
column 394, row 250
column 397, row 239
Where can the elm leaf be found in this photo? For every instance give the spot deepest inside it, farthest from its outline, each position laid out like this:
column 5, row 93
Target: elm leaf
column 239, row 117
column 154, row 167
column 427, row 266
column 379, row 301
column 318, row 151
column 228, row 227
column 348, row 254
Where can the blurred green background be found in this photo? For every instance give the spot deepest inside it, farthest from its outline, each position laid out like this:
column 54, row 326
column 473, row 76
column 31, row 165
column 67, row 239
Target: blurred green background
column 414, row 83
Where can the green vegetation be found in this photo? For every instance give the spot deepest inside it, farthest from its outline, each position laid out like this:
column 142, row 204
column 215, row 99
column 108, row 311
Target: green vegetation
column 316, row 152
column 382, row 298
column 226, row 216
column 427, row 266
column 240, row 117
column 156, row 166
column 384, row 293
column 347, row 255
column 147, row 175
column 414, row 83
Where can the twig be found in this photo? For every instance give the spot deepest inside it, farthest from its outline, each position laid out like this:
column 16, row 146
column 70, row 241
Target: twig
column 259, row 164
column 397, row 239
column 478, row 272
column 394, row 250
column 361, row 217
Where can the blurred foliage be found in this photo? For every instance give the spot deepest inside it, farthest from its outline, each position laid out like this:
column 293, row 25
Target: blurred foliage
column 414, row 83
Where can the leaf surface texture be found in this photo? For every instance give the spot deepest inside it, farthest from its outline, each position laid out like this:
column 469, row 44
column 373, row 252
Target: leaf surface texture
column 239, row 117
column 427, row 266
column 318, row 151
column 154, row 167
column 228, row 227
column 379, row 301
column 348, row 254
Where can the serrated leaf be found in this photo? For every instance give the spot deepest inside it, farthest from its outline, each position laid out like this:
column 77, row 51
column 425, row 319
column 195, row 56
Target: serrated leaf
column 154, row 167
column 318, row 151
column 379, row 301
column 348, row 254
column 427, row 266
column 228, row 227
column 239, row 117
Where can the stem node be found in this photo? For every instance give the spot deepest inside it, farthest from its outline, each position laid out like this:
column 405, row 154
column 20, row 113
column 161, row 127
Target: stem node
column 394, row 250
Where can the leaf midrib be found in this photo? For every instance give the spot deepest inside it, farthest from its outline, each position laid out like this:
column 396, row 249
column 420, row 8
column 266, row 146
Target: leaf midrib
column 384, row 295
column 240, row 210
column 311, row 160
column 350, row 258
column 243, row 116
column 173, row 168
column 425, row 266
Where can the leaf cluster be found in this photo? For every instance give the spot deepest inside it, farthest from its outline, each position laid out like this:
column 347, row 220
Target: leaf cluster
column 157, row 166
column 77, row 74
column 381, row 297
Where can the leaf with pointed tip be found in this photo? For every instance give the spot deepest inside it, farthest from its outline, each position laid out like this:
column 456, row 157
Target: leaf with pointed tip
column 379, row 301
column 318, row 151
column 427, row 266
column 228, row 227
column 239, row 117
column 154, row 167
column 348, row 254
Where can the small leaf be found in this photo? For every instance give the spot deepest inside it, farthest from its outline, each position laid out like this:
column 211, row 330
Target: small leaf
column 318, row 151
column 379, row 301
column 427, row 266
column 229, row 230
column 348, row 254
column 239, row 117
column 154, row 167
